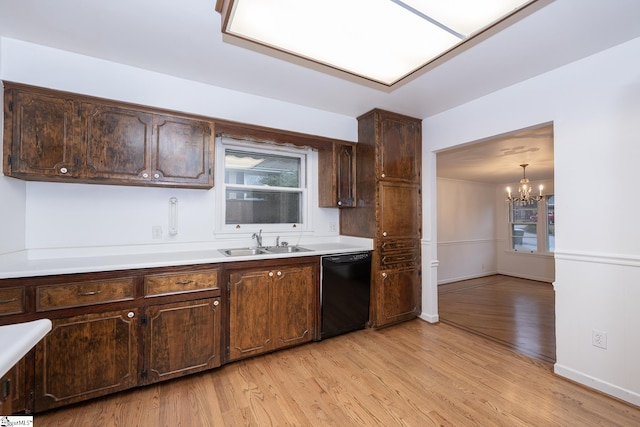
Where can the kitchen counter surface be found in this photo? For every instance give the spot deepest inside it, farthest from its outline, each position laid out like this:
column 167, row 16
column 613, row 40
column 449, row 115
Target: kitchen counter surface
column 16, row 268
column 18, row 339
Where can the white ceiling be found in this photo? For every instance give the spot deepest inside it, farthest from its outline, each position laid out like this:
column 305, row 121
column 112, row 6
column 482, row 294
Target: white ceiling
column 183, row 39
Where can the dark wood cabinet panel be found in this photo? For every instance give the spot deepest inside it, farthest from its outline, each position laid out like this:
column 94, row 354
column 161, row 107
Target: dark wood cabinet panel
column 398, row 295
column 400, row 210
column 399, row 148
column 86, row 356
column 117, row 142
column 293, row 306
column 41, row 135
column 250, row 313
column 182, row 150
column 336, row 176
column 182, row 338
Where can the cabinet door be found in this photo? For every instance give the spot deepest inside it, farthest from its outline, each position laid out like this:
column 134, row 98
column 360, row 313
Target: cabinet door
column 293, row 299
column 398, row 296
column 183, row 155
column 86, row 356
column 399, row 148
column 44, row 135
column 336, row 176
column 117, row 143
column 182, row 338
column 399, row 210
column 249, row 313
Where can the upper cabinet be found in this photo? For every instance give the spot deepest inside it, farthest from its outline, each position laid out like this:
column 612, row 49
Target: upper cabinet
column 54, row 136
column 336, row 176
column 399, row 154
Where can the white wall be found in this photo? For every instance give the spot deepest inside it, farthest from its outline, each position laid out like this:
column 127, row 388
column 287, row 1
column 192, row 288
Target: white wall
column 466, row 216
column 594, row 105
column 45, row 217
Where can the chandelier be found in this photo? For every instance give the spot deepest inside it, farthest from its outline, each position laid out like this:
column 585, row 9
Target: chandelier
column 524, row 196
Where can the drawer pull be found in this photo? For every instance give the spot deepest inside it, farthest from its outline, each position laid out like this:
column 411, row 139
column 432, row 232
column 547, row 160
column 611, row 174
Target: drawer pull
column 216, row 303
column 7, row 301
column 184, row 282
column 88, row 294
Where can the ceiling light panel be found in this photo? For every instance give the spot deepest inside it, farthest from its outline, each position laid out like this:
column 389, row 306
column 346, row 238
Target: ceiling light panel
column 380, row 40
column 466, row 17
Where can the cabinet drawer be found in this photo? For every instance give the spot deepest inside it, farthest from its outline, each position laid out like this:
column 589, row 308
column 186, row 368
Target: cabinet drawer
column 67, row 295
column 400, row 259
column 11, row 301
column 400, row 245
column 176, row 283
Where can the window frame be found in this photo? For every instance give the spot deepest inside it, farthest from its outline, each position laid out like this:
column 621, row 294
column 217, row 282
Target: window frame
column 223, row 144
column 542, row 228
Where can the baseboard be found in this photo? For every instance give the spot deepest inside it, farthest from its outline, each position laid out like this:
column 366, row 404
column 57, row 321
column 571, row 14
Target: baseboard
column 597, row 384
column 470, row 276
column 431, row 318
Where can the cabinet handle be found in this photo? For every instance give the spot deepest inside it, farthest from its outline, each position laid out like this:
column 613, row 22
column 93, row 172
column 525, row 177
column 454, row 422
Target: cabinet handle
column 339, row 203
column 88, row 294
column 145, row 175
column 279, row 273
column 216, row 303
column 156, row 175
column 384, row 234
column 64, row 170
column 130, row 314
column 384, row 275
column 7, row 301
column 382, row 175
column 184, row 282
column 271, row 274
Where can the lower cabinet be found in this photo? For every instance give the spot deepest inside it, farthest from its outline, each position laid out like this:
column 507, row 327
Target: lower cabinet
column 86, row 356
column 270, row 308
column 181, row 338
column 398, row 296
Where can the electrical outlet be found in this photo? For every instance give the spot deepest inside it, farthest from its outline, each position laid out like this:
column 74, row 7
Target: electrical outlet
column 333, row 227
column 156, row 232
column 599, row 338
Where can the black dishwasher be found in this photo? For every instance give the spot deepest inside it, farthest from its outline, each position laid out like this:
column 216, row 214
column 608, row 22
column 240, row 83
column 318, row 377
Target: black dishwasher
column 346, row 284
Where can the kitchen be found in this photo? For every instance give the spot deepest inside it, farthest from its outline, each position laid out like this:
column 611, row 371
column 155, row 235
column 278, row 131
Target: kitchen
column 58, row 221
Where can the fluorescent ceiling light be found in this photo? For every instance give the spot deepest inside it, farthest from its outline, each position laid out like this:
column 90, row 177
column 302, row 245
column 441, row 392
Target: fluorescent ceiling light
column 380, row 40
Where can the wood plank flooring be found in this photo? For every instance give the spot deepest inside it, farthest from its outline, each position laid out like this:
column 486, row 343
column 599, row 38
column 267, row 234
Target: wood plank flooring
column 519, row 313
column 412, row 374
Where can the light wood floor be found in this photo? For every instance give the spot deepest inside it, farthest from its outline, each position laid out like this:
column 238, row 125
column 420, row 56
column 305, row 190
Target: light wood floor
column 519, row 313
column 412, row 374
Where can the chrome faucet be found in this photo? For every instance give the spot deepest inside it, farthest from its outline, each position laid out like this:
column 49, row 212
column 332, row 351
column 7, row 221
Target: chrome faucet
column 277, row 241
column 258, row 237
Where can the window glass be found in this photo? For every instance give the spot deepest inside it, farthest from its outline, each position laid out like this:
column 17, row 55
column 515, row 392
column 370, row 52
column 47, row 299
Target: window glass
column 263, row 188
column 524, row 227
column 551, row 224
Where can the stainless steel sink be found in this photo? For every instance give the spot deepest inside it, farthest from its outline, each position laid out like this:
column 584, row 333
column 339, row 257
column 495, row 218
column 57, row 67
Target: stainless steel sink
column 243, row 251
column 264, row 250
column 285, row 249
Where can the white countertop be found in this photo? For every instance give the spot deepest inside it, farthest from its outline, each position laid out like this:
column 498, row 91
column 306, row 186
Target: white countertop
column 18, row 339
column 25, row 267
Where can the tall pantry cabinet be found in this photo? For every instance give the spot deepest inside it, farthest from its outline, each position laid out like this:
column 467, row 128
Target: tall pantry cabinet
column 389, row 210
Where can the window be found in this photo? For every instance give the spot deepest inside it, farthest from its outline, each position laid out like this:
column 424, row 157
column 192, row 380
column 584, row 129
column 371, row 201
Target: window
column 263, row 185
column 527, row 233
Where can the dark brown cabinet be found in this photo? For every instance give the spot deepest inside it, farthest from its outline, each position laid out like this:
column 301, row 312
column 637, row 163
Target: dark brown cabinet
column 86, row 356
column 41, row 134
column 337, row 179
column 57, row 136
column 389, row 210
column 181, row 338
column 271, row 307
